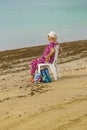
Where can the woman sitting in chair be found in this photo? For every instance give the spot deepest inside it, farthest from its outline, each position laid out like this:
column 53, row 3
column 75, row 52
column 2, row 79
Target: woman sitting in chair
column 47, row 56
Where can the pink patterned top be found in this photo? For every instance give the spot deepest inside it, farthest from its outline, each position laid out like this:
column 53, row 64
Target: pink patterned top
column 47, row 51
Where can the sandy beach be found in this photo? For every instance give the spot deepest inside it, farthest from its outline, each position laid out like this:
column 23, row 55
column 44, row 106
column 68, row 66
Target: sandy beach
column 59, row 105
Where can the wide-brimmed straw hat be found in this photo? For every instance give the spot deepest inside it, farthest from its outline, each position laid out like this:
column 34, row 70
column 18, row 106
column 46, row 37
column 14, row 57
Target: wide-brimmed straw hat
column 52, row 34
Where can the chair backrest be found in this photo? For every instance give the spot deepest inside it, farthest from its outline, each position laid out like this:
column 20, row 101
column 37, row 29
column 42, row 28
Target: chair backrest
column 56, row 53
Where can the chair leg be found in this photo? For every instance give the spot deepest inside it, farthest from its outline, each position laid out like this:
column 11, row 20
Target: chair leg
column 53, row 69
column 39, row 68
column 57, row 69
column 55, row 74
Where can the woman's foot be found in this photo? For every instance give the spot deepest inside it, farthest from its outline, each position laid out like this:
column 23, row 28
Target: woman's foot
column 31, row 79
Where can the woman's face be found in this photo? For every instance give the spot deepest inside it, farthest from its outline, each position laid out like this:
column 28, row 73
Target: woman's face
column 49, row 38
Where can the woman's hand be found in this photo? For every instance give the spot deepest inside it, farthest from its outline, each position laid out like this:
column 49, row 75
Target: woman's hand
column 47, row 58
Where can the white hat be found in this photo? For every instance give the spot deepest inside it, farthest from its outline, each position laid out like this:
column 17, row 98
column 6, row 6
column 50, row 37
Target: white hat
column 52, row 34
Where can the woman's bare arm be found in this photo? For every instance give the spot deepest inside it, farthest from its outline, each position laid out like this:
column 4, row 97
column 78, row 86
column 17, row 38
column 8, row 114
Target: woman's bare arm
column 52, row 51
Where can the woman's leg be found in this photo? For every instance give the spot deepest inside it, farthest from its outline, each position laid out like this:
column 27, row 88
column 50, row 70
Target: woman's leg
column 34, row 66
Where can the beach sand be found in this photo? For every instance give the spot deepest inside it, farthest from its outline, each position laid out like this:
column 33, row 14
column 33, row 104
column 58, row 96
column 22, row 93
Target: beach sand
column 59, row 105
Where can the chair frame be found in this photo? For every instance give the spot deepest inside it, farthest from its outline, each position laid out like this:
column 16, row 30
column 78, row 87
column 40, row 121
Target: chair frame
column 53, row 66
